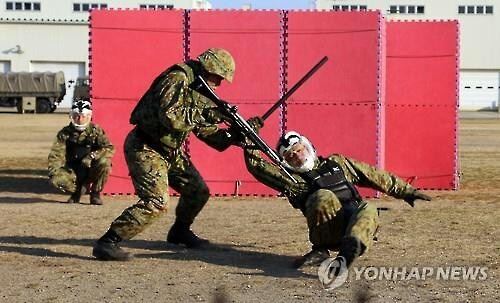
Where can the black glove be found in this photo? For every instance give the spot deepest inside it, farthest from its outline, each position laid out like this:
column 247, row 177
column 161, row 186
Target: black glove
column 256, row 123
column 237, row 138
column 410, row 198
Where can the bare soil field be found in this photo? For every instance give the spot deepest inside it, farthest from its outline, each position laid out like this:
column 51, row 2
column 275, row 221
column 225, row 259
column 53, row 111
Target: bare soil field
column 46, row 244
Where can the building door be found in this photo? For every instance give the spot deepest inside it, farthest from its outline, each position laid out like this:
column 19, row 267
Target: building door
column 479, row 90
column 4, row 66
column 72, row 70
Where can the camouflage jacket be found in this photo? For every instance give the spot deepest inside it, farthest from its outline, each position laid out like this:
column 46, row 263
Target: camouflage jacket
column 356, row 172
column 71, row 146
column 170, row 110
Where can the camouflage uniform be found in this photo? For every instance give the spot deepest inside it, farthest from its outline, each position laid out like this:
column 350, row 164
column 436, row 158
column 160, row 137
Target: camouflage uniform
column 71, row 149
column 330, row 221
column 164, row 117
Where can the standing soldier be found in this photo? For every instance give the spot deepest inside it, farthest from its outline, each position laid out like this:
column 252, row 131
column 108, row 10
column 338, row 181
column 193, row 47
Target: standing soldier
column 337, row 217
column 80, row 158
column 164, row 117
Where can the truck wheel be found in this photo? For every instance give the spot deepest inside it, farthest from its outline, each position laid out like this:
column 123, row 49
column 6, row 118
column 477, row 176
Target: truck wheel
column 19, row 106
column 43, row 106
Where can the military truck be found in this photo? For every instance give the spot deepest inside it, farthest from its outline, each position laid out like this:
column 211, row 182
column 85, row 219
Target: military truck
column 82, row 89
column 40, row 92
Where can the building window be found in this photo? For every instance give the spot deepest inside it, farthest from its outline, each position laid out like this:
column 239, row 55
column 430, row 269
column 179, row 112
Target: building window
column 406, row 9
column 156, row 6
column 22, row 6
column 85, row 7
column 475, row 9
column 349, row 7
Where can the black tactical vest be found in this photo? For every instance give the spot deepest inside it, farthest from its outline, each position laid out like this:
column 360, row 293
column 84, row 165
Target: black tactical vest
column 329, row 175
column 76, row 151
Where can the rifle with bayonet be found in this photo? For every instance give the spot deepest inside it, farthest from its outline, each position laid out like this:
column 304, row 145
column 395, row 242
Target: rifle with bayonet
column 236, row 121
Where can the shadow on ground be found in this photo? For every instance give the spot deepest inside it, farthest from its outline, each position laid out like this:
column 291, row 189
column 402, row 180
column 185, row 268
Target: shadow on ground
column 269, row 264
column 25, row 181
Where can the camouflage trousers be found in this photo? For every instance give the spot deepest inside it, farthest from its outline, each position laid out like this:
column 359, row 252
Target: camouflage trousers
column 152, row 172
column 69, row 178
column 329, row 222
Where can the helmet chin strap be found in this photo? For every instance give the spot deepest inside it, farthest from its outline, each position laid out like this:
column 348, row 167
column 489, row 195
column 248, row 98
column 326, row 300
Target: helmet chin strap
column 80, row 127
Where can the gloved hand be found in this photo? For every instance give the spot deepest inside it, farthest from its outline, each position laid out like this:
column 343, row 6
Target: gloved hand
column 237, row 138
column 410, row 198
column 256, row 122
column 87, row 160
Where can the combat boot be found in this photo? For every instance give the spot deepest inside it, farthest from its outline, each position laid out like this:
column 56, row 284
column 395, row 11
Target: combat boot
column 180, row 233
column 312, row 258
column 108, row 249
column 350, row 248
column 95, row 198
column 75, row 197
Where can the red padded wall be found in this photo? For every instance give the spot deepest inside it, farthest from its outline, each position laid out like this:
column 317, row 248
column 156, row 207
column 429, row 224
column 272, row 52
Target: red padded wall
column 253, row 38
column 129, row 48
column 422, row 102
column 340, row 106
column 396, row 110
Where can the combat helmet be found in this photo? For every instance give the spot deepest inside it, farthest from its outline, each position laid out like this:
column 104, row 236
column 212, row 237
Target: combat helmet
column 218, row 61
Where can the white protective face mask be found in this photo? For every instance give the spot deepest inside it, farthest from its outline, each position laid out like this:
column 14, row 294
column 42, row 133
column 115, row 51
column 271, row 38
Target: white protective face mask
column 80, row 108
column 293, row 138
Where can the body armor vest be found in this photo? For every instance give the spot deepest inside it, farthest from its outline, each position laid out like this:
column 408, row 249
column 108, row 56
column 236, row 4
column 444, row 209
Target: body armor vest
column 76, row 151
column 329, row 175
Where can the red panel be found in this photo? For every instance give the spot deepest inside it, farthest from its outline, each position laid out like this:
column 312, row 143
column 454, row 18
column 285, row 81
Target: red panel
column 129, row 48
column 223, row 170
column 253, row 38
column 421, row 145
column 337, row 129
column 112, row 116
column 351, row 42
column 422, row 100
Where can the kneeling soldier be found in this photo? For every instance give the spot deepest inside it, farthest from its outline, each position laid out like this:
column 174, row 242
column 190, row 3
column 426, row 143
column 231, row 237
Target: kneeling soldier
column 80, row 158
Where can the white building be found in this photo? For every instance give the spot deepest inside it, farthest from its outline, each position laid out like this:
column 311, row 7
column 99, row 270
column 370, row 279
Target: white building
column 479, row 39
column 52, row 35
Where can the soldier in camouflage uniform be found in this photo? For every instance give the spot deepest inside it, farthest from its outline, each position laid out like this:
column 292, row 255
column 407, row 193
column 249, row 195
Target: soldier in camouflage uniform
column 164, row 117
column 80, row 158
column 337, row 217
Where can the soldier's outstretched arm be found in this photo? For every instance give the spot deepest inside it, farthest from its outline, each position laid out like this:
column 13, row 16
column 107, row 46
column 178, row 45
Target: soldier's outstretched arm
column 381, row 180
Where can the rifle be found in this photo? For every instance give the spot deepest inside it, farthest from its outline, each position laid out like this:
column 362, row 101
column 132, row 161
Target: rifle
column 299, row 83
column 236, row 120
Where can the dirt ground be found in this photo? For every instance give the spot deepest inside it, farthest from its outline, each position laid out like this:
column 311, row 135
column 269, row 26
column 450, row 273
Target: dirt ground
column 45, row 244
